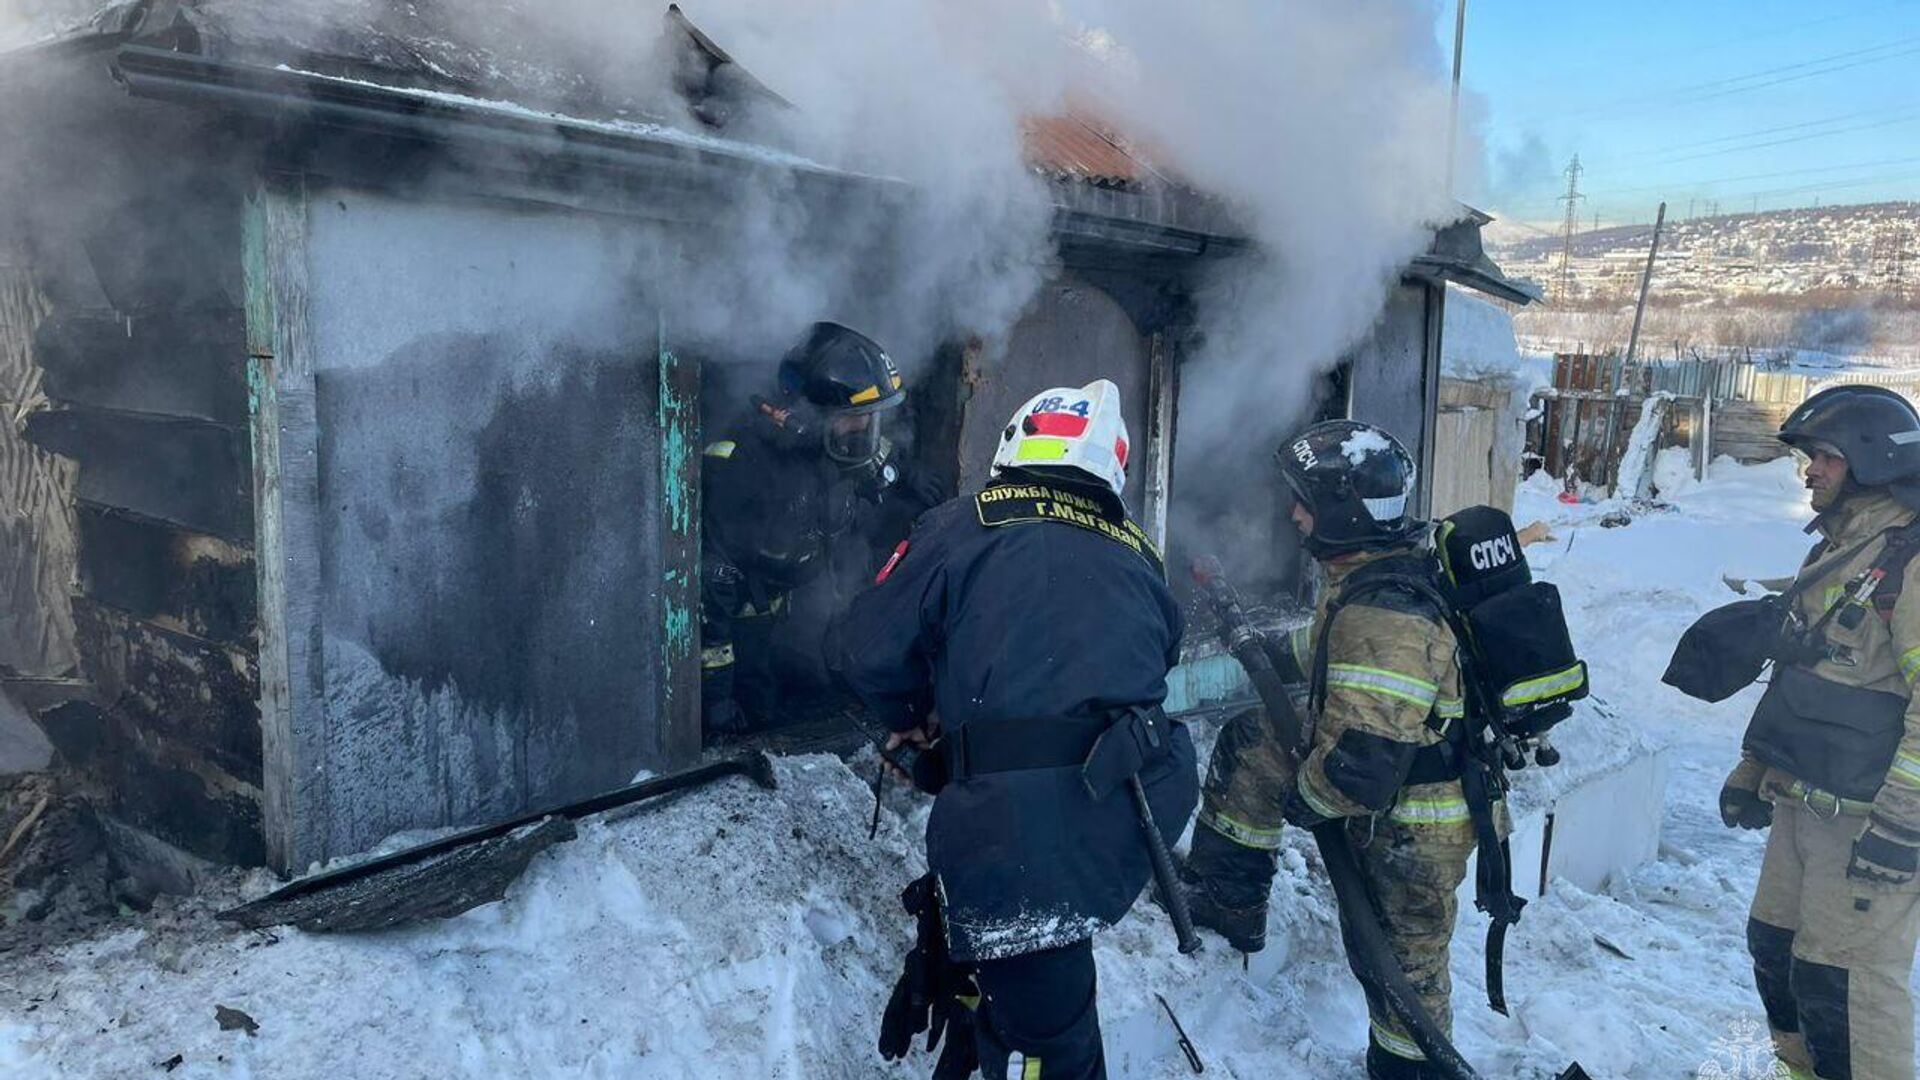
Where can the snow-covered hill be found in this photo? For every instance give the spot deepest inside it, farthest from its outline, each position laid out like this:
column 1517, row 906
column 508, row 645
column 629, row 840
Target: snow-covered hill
column 1869, row 250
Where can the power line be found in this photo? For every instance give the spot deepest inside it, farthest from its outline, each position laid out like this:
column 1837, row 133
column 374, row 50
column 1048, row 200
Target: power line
column 1908, row 119
column 1840, row 185
column 1699, row 183
column 1802, row 65
column 1678, row 147
column 1718, row 88
column 1805, row 75
column 1613, row 59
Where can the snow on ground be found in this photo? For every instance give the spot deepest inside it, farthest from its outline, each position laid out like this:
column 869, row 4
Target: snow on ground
column 740, row 933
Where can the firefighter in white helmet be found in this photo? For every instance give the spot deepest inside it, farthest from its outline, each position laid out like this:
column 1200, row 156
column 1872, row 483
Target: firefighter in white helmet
column 1016, row 627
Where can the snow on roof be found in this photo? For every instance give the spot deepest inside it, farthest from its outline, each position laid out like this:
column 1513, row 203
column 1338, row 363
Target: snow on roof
column 636, row 128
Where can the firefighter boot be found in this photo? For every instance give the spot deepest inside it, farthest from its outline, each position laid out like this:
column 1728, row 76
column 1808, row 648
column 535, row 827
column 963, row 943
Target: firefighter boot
column 1226, row 886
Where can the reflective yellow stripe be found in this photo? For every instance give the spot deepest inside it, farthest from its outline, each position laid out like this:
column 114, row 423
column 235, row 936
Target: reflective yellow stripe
column 1380, row 681
column 1826, row 803
column 1544, row 687
column 871, row 393
column 1395, row 1043
column 1910, row 664
column 1302, row 642
column 1438, row 810
column 1318, row 805
column 716, row 656
column 1450, row 710
column 722, row 449
column 1240, row 832
column 1905, row 770
column 774, row 607
column 1038, row 449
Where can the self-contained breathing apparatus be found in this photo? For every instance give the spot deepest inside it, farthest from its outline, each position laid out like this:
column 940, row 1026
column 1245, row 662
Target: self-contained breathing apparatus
column 1479, row 581
column 1519, row 674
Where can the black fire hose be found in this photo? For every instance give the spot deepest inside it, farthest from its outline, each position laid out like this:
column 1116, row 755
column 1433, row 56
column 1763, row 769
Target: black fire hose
column 1367, row 946
column 1372, row 955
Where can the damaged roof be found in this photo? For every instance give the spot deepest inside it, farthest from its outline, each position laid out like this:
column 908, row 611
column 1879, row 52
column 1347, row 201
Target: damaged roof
column 518, row 68
column 501, row 48
column 1073, row 146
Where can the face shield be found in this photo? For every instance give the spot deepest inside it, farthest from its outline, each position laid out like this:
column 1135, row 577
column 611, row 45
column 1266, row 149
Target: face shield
column 853, row 438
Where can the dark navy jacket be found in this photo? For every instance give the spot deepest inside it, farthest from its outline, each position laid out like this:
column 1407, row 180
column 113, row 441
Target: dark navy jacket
column 1004, row 627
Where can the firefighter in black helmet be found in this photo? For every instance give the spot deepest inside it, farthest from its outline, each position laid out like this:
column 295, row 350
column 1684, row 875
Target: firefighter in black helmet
column 780, row 492
column 1385, row 692
column 1831, row 760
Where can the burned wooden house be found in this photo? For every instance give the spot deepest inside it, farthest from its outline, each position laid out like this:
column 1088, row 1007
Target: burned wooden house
column 271, row 580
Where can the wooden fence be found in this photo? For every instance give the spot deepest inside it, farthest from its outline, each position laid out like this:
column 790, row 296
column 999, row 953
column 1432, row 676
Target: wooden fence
column 1582, row 425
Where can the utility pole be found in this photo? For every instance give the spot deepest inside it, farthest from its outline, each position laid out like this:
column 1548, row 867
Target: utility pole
column 1646, row 280
column 1572, row 199
column 1453, row 107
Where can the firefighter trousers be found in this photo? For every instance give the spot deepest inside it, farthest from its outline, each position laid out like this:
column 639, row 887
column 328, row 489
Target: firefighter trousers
column 1039, row 1016
column 1414, row 872
column 1832, row 956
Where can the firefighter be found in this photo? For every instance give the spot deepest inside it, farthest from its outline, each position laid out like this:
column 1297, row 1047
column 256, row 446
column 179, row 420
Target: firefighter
column 1017, row 627
column 1384, row 700
column 780, row 495
column 1831, row 760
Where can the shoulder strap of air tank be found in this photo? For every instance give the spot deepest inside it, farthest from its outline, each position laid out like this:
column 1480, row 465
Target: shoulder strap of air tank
column 1368, row 580
column 1903, row 543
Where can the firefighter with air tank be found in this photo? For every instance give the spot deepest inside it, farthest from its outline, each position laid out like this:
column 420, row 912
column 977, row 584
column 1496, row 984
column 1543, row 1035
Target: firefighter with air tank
column 1385, row 696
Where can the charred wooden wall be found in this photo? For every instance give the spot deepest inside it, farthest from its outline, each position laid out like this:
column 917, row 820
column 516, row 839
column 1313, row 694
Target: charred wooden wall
column 126, row 455
column 36, row 505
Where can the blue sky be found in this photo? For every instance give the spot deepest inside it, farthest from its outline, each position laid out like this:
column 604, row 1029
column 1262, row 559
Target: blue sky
column 1761, row 102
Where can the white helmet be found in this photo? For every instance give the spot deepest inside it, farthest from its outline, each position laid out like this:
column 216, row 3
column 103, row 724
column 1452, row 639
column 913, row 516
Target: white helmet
column 1065, row 428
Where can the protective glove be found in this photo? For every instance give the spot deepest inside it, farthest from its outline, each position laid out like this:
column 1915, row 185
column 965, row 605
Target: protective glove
column 953, row 1019
column 1741, row 806
column 1297, row 813
column 724, row 717
column 933, row 994
column 1885, row 854
column 1744, row 809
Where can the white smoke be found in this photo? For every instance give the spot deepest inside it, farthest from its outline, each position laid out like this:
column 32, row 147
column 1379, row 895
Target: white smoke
column 1325, row 125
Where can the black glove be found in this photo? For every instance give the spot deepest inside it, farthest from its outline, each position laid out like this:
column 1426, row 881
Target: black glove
column 933, row 994
column 1297, row 813
column 1886, row 854
column 724, row 717
column 1744, row 809
column 953, row 1019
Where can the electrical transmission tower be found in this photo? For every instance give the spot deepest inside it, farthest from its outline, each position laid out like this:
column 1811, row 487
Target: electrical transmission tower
column 1572, row 199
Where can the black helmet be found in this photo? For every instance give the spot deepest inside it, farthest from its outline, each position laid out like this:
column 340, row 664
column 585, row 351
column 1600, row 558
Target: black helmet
column 837, row 372
column 1356, row 480
column 1875, row 429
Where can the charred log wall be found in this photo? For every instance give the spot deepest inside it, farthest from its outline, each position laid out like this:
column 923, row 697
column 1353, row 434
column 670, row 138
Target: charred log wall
column 133, row 416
